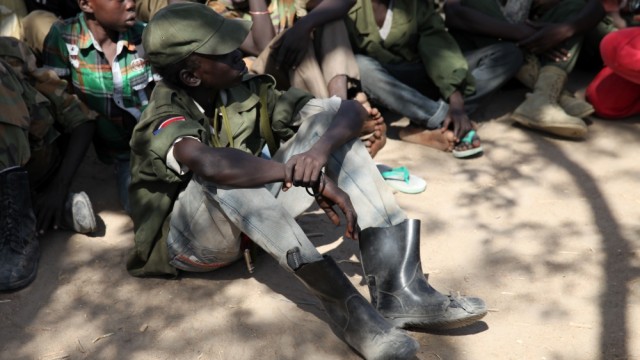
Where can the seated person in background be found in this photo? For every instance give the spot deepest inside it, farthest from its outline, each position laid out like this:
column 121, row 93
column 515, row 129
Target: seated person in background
column 415, row 68
column 197, row 185
column 44, row 134
column 623, row 13
column 553, row 34
column 304, row 44
column 615, row 91
column 100, row 53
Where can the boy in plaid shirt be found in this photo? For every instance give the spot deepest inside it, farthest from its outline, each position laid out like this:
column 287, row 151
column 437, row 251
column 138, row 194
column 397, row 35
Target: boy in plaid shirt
column 100, row 53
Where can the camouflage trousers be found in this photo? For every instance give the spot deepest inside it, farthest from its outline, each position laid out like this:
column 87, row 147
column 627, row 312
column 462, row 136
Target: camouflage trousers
column 15, row 151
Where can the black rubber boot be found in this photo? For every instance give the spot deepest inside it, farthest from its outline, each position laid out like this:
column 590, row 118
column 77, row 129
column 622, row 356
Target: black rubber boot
column 400, row 291
column 363, row 328
column 19, row 250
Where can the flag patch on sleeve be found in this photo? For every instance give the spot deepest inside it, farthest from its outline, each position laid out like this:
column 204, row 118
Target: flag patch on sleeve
column 168, row 122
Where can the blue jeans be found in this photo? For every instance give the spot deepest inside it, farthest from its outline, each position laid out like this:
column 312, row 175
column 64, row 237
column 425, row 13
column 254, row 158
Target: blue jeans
column 207, row 219
column 406, row 88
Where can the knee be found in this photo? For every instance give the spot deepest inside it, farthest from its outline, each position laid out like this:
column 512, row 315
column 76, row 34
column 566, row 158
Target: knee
column 367, row 63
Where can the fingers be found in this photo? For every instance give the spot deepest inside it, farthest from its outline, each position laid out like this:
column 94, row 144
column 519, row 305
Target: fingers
column 352, row 230
column 558, row 55
column 288, row 175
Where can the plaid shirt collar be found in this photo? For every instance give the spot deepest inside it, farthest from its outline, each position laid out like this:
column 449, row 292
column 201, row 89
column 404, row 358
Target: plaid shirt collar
column 85, row 42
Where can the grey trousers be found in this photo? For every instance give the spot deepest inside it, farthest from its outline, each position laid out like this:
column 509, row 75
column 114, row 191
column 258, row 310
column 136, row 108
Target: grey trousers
column 208, row 219
column 406, row 88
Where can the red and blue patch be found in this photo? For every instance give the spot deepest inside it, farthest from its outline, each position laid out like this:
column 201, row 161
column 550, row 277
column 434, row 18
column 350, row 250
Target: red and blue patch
column 168, row 122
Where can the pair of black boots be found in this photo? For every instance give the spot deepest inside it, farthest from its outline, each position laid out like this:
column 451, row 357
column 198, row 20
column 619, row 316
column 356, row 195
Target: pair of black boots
column 401, row 296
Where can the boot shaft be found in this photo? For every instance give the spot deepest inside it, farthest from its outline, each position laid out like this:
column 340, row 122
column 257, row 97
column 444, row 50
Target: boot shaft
column 391, row 254
column 17, row 219
column 360, row 325
column 19, row 249
column 550, row 83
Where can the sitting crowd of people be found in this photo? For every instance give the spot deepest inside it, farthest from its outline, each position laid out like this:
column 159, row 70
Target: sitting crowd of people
column 221, row 135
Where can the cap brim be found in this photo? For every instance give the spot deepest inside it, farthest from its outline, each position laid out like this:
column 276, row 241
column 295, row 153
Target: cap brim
column 235, row 31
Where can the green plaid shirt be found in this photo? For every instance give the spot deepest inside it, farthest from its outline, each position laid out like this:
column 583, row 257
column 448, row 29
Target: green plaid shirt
column 115, row 92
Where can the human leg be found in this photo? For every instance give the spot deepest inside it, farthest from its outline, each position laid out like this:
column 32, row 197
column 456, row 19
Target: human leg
column 384, row 240
column 492, row 66
column 19, row 247
column 528, row 75
column 541, row 111
column 400, row 291
column 351, row 167
column 336, row 59
column 383, row 87
column 207, row 220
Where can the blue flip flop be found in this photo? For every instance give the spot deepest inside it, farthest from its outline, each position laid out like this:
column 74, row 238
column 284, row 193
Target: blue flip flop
column 400, row 179
column 468, row 140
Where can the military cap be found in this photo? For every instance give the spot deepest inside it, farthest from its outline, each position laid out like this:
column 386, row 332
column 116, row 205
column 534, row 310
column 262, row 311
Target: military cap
column 181, row 29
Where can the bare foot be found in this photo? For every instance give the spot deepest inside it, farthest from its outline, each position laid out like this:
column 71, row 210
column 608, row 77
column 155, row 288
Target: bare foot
column 437, row 139
column 377, row 140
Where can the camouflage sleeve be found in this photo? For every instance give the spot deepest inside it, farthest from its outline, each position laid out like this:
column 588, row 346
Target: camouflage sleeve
column 14, row 109
column 67, row 109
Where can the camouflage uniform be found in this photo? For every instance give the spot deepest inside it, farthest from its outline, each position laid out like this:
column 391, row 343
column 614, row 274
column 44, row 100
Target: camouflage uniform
column 31, row 100
column 34, row 107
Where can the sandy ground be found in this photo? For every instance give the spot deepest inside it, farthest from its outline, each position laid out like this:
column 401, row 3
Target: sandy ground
column 545, row 230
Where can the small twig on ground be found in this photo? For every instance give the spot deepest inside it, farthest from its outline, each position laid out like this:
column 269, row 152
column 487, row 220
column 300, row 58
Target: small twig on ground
column 102, row 337
column 80, row 347
column 55, row 356
column 584, row 326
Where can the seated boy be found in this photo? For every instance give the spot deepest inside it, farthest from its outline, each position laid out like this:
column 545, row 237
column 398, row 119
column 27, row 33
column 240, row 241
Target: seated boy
column 197, row 185
column 552, row 34
column 415, row 68
column 100, row 53
column 44, row 134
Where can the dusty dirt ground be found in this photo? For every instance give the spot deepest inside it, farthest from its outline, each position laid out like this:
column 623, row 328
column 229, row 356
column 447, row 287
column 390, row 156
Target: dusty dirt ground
column 545, row 230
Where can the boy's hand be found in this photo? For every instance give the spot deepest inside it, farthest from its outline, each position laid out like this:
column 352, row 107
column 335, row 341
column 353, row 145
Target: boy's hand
column 329, row 194
column 457, row 117
column 49, row 209
column 290, row 48
column 304, row 169
column 547, row 37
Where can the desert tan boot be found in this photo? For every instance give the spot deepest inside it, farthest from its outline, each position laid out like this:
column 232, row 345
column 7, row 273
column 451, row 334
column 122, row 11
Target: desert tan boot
column 541, row 110
column 528, row 75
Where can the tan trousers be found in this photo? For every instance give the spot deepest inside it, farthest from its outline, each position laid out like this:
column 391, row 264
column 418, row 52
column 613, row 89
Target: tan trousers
column 329, row 56
column 35, row 28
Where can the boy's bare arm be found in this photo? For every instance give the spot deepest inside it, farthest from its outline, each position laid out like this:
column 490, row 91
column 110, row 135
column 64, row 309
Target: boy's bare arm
column 227, row 166
column 236, row 168
column 458, row 16
column 551, row 36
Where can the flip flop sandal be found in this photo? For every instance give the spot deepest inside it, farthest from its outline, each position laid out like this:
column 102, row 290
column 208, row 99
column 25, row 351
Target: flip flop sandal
column 400, row 179
column 468, row 140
